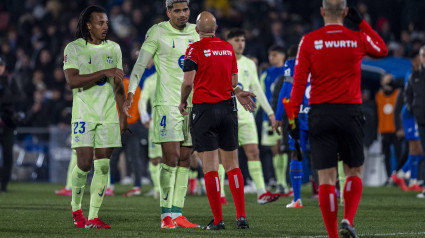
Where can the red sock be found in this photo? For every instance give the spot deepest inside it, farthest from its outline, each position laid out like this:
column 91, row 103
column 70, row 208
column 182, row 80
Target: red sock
column 329, row 208
column 237, row 187
column 212, row 184
column 352, row 194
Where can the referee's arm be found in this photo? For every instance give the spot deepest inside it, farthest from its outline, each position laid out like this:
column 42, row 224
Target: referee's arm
column 189, row 70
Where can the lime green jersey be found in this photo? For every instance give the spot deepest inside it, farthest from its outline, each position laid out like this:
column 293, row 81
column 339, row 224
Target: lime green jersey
column 148, row 93
column 168, row 46
column 248, row 81
column 94, row 103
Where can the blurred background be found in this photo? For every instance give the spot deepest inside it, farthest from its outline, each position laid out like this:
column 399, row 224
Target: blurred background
column 33, row 34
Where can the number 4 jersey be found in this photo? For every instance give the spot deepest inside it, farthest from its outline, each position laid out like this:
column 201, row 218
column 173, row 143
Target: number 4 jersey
column 96, row 103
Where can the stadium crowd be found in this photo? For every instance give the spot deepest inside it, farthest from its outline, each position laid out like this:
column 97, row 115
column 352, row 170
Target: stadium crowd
column 33, row 34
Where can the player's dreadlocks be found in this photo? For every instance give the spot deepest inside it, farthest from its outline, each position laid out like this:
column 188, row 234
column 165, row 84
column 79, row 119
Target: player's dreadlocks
column 82, row 30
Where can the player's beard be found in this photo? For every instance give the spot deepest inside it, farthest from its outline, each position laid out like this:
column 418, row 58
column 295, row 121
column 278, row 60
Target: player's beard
column 181, row 24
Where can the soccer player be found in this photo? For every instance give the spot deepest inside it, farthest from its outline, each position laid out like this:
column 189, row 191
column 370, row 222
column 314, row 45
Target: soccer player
column 154, row 150
column 269, row 137
column 333, row 55
column 210, row 68
column 93, row 70
column 247, row 131
column 166, row 42
column 296, row 166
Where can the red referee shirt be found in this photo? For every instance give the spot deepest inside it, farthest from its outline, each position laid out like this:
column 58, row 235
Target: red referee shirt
column 216, row 64
column 333, row 55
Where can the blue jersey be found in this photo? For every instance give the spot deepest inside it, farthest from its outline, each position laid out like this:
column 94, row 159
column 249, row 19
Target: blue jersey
column 285, row 92
column 268, row 79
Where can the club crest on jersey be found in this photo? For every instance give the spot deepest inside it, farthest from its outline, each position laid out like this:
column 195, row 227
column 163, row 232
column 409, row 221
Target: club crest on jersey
column 181, row 61
column 318, row 44
column 207, row 53
column 109, row 59
column 163, row 133
column 190, row 41
column 77, row 138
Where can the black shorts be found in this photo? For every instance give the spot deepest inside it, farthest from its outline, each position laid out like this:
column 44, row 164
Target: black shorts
column 214, row 125
column 336, row 129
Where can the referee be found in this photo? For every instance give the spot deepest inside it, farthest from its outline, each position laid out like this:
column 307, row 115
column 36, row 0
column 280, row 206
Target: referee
column 210, row 67
column 333, row 55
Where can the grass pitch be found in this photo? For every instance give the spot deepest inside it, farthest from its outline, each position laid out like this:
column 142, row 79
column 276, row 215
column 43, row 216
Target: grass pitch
column 33, row 210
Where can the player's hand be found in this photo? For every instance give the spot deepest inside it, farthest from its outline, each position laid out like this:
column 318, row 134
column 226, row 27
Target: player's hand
column 245, row 99
column 127, row 104
column 116, row 73
column 272, row 122
column 354, row 15
column 279, row 128
column 147, row 123
column 182, row 108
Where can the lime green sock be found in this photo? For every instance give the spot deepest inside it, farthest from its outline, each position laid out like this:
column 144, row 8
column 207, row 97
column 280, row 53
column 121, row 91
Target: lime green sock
column 221, row 176
column 72, row 164
column 79, row 179
column 256, row 171
column 278, row 165
column 284, row 158
column 180, row 190
column 167, row 179
column 341, row 177
column 193, row 174
column 98, row 186
column 154, row 171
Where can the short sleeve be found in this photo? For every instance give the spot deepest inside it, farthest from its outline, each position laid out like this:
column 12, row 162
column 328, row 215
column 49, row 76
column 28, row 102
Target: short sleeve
column 119, row 56
column 70, row 58
column 151, row 40
column 234, row 64
column 192, row 54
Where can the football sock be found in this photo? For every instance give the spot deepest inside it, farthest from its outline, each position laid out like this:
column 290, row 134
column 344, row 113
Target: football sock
column 256, row 171
column 329, row 208
column 167, row 179
column 341, row 178
column 284, row 158
column 193, row 174
column 222, row 175
column 180, row 190
column 212, row 184
column 414, row 166
column 278, row 165
column 237, row 187
column 406, row 166
column 296, row 174
column 72, row 164
column 154, row 171
column 79, row 179
column 352, row 194
column 98, row 186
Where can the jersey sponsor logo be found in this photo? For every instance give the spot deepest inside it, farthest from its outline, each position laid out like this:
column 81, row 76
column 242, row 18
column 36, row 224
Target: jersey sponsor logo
column 341, row 44
column 207, row 53
column 181, row 61
column 318, row 44
column 101, row 82
column 109, row 59
column 222, row 52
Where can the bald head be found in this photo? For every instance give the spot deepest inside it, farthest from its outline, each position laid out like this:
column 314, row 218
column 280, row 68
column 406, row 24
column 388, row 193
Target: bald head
column 334, row 8
column 206, row 23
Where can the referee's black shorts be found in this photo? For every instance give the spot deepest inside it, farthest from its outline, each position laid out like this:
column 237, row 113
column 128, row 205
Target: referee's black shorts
column 214, row 125
column 336, row 129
